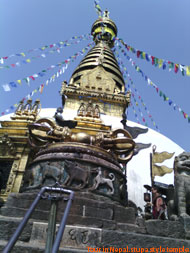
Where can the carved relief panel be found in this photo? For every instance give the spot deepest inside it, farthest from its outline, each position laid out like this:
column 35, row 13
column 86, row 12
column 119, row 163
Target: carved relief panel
column 98, row 80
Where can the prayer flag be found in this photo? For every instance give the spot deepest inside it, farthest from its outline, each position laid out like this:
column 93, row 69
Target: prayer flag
column 188, row 70
column 41, row 88
column 6, row 87
column 143, row 55
column 138, row 53
column 176, row 67
column 160, row 170
column 13, row 84
column 147, row 57
column 160, row 62
column 32, row 78
column 164, row 65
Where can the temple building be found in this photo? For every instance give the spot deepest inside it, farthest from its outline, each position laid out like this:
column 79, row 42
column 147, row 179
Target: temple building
column 87, row 146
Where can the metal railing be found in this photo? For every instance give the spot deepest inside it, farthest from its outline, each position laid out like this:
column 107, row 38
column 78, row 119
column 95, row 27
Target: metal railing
column 56, row 193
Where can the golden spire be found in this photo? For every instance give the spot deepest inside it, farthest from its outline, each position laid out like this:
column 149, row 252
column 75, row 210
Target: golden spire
column 98, row 76
column 104, row 32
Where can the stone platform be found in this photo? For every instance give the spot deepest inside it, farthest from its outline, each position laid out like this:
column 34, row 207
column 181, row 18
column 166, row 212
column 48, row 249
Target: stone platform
column 87, row 210
column 94, row 222
column 81, row 239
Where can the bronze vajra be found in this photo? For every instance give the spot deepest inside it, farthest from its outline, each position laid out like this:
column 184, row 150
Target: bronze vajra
column 119, row 141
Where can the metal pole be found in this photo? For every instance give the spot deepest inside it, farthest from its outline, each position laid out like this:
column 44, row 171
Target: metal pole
column 63, row 223
column 20, row 228
column 51, row 227
column 151, row 169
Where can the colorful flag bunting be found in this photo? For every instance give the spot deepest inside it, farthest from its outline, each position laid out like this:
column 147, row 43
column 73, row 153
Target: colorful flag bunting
column 42, row 73
column 156, row 61
column 61, row 45
column 161, row 94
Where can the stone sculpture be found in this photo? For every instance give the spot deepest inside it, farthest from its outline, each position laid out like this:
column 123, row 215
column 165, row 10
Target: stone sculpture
column 180, row 206
column 77, row 174
column 101, row 180
column 45, row 173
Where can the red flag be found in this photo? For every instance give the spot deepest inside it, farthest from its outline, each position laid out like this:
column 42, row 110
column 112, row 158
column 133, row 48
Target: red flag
column 176, row 68
column 32, row 78
column 138, row 53
column 152, row 60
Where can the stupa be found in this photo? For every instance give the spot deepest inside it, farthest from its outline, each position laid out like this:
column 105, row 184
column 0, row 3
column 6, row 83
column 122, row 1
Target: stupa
column 83, row 148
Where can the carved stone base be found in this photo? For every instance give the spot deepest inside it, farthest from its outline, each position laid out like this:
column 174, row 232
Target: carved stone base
column 80, row 167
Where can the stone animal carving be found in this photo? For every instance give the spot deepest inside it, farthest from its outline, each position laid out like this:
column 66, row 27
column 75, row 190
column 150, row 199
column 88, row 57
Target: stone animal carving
column 180, row 206
column 76, row 174
column 43, row 174
column 51, row 171
column 101, row 180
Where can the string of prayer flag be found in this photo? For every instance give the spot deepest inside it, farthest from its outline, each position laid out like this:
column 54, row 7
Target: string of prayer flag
column 39, row 89
column 14, row 84
column 43, row 55
column 43, row 48
column 98, row 8
column 127, row 75
column 150, row 83
column 157, row 62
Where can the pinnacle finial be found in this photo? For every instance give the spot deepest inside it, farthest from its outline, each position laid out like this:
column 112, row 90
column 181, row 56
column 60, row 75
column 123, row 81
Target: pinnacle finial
column 106, row 14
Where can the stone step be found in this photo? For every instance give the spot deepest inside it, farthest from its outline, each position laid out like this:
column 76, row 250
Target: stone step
column 72, row 219
column 80, row 237
column 35, row 248
column 8, row 226
column 97, row 212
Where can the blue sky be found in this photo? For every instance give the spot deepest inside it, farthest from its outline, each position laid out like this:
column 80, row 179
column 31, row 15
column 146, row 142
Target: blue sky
column 159, row 28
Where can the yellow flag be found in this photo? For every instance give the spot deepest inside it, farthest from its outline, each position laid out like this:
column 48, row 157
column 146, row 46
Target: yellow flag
column 144, row 55
column 188, row 70
column 19, row 81
column 160, row 170
column 160, row 63
column 160, row 157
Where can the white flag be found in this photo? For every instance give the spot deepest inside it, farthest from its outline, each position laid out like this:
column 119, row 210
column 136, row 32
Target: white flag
column 6, row 87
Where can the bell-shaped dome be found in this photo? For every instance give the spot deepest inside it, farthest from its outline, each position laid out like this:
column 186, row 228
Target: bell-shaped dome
column 104, row 29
